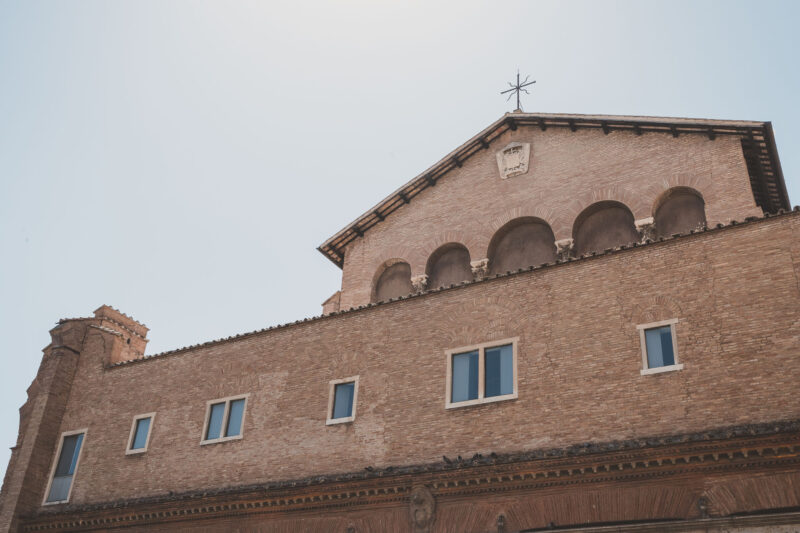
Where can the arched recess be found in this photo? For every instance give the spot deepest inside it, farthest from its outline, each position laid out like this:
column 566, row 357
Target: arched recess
column 603, row 225
column 394, row 280
column 448, row 264
column 523, row 242
column 679, row 210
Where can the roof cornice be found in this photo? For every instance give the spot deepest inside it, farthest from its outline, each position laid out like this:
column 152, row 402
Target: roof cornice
column 758, row 145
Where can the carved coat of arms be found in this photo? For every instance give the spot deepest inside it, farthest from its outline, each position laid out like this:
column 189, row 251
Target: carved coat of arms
column 513, row 159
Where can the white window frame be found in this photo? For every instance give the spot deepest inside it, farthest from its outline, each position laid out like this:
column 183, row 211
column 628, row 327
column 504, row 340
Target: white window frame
column 227, row 401
column 55, row 463
column 481, row 348
column 646, row 370
column 331, row 398
column 152, row 417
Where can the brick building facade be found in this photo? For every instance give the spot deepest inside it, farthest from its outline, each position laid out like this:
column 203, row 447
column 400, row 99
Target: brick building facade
column 544, row 252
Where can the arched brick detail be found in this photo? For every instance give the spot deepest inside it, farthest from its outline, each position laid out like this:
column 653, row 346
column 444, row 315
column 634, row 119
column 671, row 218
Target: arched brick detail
column 520, row 243
column 383, row 267
column 656, row 190
column 632, row 199
column 652, row 309
column 449, row 263
column 419, row 258
column 501, row 319
column 615, row 227
column 663, row 195
column 679, row 209
column 533, row 209
column 394, row 255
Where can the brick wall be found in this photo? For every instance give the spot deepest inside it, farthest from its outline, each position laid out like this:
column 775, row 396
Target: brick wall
column 735, row 291
column 568, row 172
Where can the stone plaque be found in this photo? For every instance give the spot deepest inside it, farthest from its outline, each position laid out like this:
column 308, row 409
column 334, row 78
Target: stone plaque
column 513, row 159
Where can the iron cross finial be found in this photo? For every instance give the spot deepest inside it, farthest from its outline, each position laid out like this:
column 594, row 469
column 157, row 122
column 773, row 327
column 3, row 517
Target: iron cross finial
column 518, row 88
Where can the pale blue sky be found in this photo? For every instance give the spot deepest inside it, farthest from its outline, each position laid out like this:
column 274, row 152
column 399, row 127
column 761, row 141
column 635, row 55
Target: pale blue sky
column 181, row 161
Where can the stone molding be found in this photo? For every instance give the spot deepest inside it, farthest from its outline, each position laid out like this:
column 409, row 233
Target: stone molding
column 564, row 248
column 419, row 283
column 422, row 510
column 480, row 269
column 513, row 159
column 646, row 228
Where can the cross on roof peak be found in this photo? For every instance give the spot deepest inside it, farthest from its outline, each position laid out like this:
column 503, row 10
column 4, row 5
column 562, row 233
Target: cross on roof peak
column 518, row 88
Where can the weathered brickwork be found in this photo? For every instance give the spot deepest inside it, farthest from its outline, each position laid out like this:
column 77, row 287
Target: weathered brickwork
column 587, row 440
column 735, row 292
column 569, row 171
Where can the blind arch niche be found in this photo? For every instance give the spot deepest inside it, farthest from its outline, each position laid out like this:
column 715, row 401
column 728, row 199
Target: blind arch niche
column 521, row 243
column 392, row 280
column 679, row 210
column 447, row 265
column 604, row 225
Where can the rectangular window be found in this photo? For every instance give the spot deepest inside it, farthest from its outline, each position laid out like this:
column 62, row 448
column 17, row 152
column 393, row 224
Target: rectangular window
column 659, row 347
column 342, row 400
column 224, row 419
column 482, row 373
column 465, row 376
column 68, row 454
column 140, row 433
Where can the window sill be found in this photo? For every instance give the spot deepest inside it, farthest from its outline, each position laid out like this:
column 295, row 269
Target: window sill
column 481, row 401
column 55, row 503
column 344, row 420
column 135, row 452
column 223, row 439
column 660, row 369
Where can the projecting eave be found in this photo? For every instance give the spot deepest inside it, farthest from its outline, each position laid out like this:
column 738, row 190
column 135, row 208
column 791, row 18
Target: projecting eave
column 758, row 145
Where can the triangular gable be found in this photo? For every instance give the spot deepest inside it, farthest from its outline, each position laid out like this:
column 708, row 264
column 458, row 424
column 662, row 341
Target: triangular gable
column 758, row 144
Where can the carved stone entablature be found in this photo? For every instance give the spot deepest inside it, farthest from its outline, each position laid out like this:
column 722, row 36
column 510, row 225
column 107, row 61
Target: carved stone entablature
column 564, row 248
column 422, row 509
column 646, row 228
column 480, row 269
column 419, row 283
column 513, row 159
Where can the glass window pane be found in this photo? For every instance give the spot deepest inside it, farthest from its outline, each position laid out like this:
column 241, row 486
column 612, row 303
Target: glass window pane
column 666, row 346
column 465, row 376
column 215, row 421
column 69, row 455
column 343, row 400
column 235, row 418
column 659, row 347
column 59, row 489
column 65, row 468
column 140, row 434
column 499, row 371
